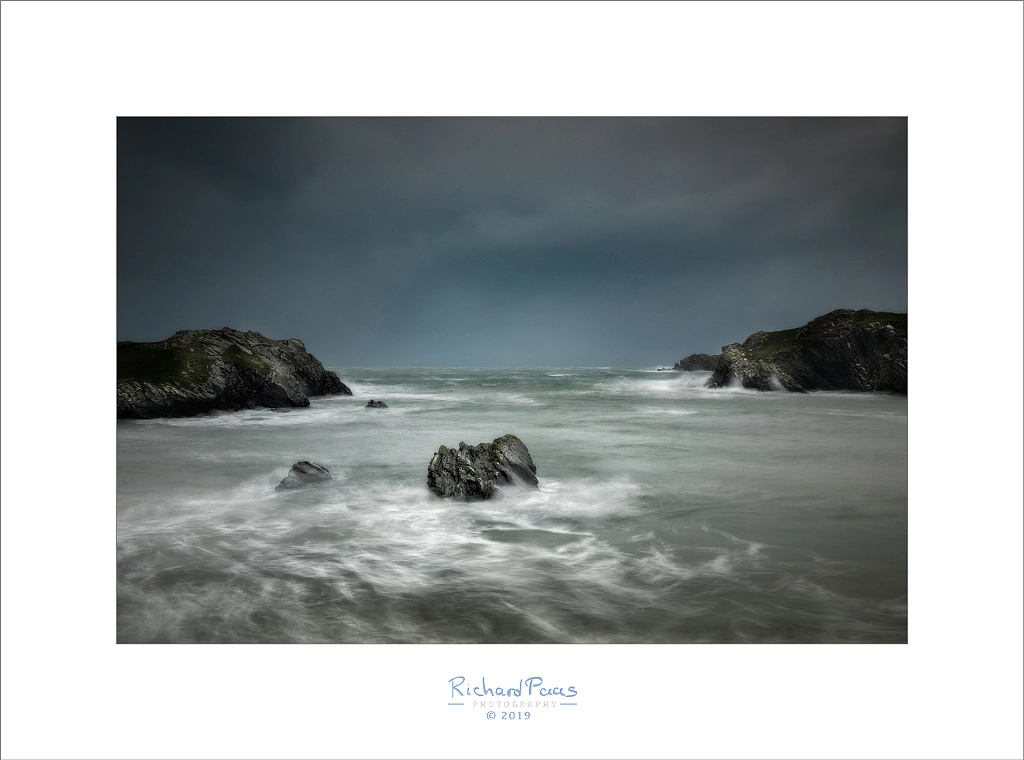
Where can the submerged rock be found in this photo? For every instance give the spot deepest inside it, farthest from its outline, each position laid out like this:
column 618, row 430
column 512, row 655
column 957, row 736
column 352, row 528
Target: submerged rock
column 697, row 363
column 303, row 474
column 199, row 371
column 376, row 405
column 473, row 472
column 842, row 350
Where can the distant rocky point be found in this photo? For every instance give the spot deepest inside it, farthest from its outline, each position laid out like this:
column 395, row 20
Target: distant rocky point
column 473, row 472
column 697, row 363
column 199, row 371
column 842, row 350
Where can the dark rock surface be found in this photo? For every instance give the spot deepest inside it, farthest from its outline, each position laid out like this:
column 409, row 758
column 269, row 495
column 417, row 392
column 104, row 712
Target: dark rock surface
column 697, row 363
column 376, row 405
column 303, row 474
column 842, row 350
column 199, row 371
column 473, row 472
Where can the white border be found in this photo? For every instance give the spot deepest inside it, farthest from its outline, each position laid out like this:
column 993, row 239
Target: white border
column 69, row 69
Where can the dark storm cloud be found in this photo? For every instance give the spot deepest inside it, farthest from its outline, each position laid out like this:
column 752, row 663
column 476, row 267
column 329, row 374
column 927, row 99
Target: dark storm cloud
column 507, row 241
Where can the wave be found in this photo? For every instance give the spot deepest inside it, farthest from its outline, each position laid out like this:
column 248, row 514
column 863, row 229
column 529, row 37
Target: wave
column 709, row 529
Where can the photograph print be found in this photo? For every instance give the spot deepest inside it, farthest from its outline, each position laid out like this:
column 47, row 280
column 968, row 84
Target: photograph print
column 512, row 380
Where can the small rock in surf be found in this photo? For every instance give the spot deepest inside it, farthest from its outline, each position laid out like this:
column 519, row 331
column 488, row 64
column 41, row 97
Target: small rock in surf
column 303, row 474
column 473, row 472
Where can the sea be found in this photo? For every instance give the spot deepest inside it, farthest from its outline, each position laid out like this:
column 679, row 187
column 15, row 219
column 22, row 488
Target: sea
column 666, row 512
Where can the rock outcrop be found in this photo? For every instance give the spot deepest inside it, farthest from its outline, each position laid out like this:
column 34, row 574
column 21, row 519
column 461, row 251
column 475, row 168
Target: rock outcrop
column 473, row 472
column 199, row 371
column 376, row 405
column 303, row 474
column 697, row 363
column 842, row 350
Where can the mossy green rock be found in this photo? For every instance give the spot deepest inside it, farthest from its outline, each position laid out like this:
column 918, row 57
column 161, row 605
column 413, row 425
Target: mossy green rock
column 199, row 371
column 842, row 350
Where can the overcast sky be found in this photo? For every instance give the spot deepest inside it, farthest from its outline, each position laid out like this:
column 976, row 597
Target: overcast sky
column 507, row 242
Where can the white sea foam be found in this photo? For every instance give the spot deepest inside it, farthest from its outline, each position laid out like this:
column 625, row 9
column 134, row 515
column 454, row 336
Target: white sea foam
column 667, row 412
column 666, row 512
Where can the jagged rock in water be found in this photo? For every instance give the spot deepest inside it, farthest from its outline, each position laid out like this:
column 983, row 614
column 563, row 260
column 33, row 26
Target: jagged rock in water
column 697, row 363
column 303, row 474
column 199, row 371
column 842, row 350
column 473, row 472
column 376, row 405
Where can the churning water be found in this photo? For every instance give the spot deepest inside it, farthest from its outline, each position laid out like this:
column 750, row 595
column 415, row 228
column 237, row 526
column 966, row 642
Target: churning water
column 667, row 512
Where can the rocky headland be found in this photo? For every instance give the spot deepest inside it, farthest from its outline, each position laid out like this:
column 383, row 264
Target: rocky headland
column 199, row 371
column 842, row 350
column 697, row 363
column 473, row 472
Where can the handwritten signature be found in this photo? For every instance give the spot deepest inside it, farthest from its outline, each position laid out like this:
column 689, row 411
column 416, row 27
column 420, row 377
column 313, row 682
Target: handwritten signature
column 532, row 683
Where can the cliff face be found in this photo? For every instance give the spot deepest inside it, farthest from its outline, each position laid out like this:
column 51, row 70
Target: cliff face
column 197, row 371
column 842, row 350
